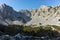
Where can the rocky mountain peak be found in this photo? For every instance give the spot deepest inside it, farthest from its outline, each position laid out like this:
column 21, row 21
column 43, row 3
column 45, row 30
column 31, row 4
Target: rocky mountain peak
column 3, row 4
column 44, row 14
column 10, row 16
column 5, row 7
column 39, row 16
column 43, row 6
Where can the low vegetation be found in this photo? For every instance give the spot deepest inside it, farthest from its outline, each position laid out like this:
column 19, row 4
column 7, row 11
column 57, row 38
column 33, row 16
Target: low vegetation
column 31, row 31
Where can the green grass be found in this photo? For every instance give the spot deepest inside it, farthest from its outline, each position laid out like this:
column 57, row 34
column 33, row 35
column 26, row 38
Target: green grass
column 57, row 27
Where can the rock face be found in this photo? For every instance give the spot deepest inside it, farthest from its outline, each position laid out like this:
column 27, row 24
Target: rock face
column 10, row 16
column 45, row 15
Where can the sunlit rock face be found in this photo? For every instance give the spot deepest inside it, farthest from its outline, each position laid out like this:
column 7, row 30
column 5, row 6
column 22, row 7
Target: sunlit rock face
column 45, row 15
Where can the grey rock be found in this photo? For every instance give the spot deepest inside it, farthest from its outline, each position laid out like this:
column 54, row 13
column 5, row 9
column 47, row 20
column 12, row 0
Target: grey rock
column 33, row 17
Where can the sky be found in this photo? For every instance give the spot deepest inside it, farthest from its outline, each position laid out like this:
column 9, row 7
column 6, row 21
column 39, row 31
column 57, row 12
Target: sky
column 28, row 4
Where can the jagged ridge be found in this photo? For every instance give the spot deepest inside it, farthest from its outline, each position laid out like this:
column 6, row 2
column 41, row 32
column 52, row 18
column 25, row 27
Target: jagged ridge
column 45, row 15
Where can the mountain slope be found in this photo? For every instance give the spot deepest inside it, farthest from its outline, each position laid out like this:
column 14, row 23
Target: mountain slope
column 10, row 16
column 45, row 15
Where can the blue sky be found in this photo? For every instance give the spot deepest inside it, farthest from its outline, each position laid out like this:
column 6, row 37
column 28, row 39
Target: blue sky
column 27, row 4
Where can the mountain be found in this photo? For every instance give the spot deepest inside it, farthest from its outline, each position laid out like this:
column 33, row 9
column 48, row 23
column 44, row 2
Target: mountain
column 9, row 16
column 44, row 15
